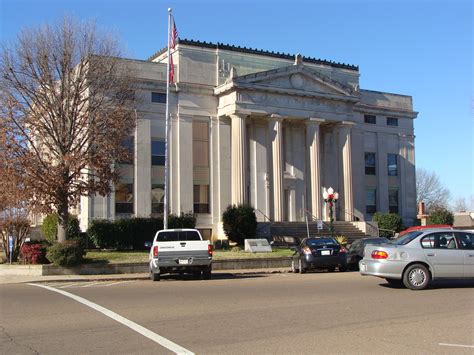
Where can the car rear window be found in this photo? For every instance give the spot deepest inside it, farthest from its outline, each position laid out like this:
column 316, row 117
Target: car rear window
column 178, row 236
column 321, row 242
column 407, row 238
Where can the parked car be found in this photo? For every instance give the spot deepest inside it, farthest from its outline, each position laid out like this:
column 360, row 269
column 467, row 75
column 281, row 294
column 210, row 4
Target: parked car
column 421, row 256
column 355, row 253
column 180, row 251
column 416, row 228
column 319, row 253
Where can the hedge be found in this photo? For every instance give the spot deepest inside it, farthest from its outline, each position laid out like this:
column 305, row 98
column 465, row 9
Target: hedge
column 126, row 234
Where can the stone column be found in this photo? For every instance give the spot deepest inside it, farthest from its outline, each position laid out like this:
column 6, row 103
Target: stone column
column 142, row 168
column 275, row 126
column 238, row 159
column 347, row 170
column 313, row 150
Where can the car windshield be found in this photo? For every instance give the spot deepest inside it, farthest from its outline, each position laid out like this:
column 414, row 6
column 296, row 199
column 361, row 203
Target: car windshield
column 177, row 236
column 321, row 242
column 407, row 238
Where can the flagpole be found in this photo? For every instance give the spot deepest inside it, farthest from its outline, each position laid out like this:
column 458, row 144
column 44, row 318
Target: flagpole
column 165, row 204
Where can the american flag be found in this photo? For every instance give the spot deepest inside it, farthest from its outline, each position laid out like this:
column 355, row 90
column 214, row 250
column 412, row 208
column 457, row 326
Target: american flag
column 171, row 69
column 174, row 35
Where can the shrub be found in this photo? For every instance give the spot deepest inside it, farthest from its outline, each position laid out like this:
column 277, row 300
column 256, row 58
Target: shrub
column 33, row 253
column 50, row 228
column 66, row 253
column 125, row 234
column 235, row 249
column 240, row 223
column 388, row 222
column 441, row 215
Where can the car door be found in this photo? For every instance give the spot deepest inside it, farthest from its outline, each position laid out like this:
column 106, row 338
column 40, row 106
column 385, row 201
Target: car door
column 441, row 252
column 466, row 243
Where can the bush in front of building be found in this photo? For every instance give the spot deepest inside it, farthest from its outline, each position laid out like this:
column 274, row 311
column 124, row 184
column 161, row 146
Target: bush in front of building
column 67, row 253
column 440, row 215
column 389, row 223
column 239, row 223
column 33, row 253
column 131, row 234
column 49, row 228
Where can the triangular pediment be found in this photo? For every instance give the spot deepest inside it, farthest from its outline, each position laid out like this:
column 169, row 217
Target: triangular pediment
column 294, row 78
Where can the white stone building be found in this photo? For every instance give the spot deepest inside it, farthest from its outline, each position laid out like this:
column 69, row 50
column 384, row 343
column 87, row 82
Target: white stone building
column 269, row 129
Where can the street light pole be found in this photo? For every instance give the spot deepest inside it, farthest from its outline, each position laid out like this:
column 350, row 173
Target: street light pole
column 330, row 197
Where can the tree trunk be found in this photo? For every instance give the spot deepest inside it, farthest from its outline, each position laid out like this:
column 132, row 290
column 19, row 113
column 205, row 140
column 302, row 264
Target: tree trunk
column 63, row 216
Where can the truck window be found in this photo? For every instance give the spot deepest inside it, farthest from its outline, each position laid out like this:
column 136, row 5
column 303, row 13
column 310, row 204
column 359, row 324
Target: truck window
column 175, row 236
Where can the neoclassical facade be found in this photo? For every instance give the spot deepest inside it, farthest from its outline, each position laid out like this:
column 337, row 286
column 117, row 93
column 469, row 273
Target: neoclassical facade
column 264, row 128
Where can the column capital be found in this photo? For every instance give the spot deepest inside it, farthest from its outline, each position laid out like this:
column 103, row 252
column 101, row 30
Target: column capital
column 276, row 117
column 348, row 124
column 314, row 121
column 238, row 114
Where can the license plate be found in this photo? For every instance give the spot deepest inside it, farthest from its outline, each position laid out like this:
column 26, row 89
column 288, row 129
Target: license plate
column 183, row 261
column 325, row 252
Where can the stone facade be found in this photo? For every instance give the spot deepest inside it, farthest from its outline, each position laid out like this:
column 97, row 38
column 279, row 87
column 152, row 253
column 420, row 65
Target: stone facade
column 272, row 130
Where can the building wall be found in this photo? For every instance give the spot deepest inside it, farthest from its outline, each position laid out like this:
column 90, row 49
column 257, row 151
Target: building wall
column 199, row 71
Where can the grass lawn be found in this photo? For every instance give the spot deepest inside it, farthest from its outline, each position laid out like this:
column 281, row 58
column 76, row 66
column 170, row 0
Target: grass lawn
column 113, row 257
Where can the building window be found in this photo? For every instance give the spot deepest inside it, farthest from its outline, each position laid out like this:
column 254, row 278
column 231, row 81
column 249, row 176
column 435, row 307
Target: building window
column 201, row 198
column 370, row 119
column 392, row 164
column 393, row 200
column 157, row 153
column 158, row 97
column 157, row 198
column 124, row 198
column 369, row 163
column 128, row 145
column 370, row 200
column 201, row 171
column 392, row 121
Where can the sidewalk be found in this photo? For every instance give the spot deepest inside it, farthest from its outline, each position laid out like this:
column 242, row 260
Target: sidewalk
column 17, row 279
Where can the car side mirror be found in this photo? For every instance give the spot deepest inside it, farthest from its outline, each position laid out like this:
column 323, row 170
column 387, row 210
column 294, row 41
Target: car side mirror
column 148, row 244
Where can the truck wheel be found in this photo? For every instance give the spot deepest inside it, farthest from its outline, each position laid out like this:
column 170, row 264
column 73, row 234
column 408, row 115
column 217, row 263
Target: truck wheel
column 206, row 273
column 154, row 276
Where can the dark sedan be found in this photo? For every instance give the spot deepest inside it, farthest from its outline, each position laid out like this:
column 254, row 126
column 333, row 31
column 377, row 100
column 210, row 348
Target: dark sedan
column 356, row 250
column 319, row 253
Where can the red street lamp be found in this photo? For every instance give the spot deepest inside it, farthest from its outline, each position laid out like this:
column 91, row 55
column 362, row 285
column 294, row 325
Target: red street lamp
column 330, row 197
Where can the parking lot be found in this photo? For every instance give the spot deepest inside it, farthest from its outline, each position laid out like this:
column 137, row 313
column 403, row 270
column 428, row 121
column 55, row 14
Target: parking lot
column 277, row 313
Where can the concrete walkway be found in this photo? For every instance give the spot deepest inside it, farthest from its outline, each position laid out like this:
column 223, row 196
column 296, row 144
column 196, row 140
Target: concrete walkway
column 15, row 279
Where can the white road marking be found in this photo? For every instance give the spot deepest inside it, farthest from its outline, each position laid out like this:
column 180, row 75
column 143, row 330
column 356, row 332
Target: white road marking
column 67, row 285
column 457, row 345
column 91, row 284
column 132, row 325
column 116, row 283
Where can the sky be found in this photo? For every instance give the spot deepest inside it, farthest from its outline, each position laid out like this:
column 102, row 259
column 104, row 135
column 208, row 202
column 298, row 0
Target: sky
column 422, row 48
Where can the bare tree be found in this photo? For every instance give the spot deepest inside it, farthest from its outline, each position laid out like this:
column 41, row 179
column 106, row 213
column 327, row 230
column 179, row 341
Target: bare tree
column 430, row 190
column 460, row 205
column 67, row 106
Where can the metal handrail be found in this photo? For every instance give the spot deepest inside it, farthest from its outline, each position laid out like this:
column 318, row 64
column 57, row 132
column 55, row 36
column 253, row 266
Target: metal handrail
column 314, row 218
column 354, row 218
column 373, row 228
column 264, row 215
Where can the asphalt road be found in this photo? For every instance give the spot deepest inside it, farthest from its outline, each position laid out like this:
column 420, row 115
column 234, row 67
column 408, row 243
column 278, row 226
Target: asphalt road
column 238, row 314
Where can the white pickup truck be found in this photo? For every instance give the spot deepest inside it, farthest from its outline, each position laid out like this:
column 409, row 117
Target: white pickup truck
column 180, row 251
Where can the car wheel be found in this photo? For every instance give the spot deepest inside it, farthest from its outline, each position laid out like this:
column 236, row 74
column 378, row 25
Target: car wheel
column 206, row 273
column 343, row 268
column 331, row 269
column 300, row 267
column 416, row 277
column 294, row 268
column 154, row 276
column 394, row 282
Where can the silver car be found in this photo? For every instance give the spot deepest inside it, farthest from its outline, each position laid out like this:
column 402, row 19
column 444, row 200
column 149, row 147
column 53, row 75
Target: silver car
column 421, row 256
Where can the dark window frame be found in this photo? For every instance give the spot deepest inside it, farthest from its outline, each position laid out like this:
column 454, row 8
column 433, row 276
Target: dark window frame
column 158, row 97
column 392, row 121
column 369, row 169
column 390, row 170
column 370, row 119
column 158, row 159
column 371, row 209
column 394, row 208
column 125, row 208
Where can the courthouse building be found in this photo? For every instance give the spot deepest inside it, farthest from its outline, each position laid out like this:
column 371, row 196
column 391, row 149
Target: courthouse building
column 269, row 129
